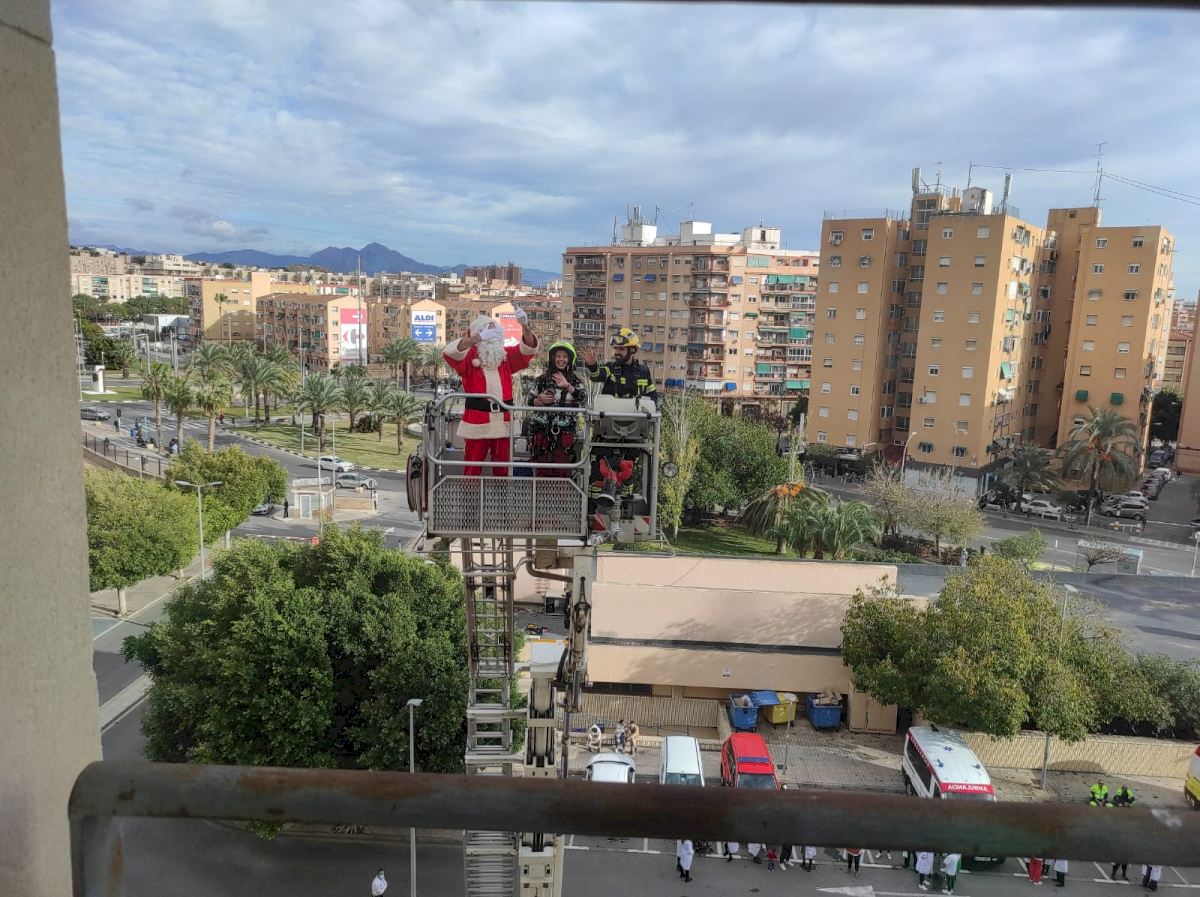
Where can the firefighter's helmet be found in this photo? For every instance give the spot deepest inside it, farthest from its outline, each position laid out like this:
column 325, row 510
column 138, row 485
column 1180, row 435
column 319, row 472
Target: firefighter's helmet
column 625, row 338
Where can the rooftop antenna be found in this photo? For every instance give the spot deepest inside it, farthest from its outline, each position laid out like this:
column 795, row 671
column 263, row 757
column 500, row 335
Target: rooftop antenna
column 970, row 168
column 614, row 237
column 939, row 176
column 1099, row 174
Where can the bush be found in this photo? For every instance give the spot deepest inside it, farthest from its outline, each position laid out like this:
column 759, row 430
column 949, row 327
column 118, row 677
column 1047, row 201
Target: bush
column 1026, row 548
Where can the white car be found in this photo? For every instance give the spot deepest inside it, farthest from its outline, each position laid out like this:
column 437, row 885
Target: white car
column 610, row 767
column 333, row 462
column 1039, row 507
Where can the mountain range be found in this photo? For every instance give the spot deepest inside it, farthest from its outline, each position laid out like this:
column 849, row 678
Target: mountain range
column 375, row 258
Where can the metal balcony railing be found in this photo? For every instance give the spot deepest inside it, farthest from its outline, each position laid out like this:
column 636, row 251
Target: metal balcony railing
column 107, row 792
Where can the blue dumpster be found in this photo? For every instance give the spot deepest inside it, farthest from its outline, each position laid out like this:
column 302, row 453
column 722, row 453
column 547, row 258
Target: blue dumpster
column 743, row 718
column 824, row 716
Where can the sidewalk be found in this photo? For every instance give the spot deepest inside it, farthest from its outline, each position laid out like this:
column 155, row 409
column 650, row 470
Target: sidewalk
column 146, row 592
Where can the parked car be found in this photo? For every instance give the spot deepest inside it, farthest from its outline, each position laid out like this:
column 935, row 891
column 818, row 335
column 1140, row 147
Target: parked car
column 535, row 628
column 1040, row 507
column 746, row 762
column 1138, row 499
column 990, row 501
column 610, row 768
column 1135, row 510
column 1133, row 495
column 94, row 414
column 354, row 480
column 266, row 509
column 341, row 465
column 1164, row 472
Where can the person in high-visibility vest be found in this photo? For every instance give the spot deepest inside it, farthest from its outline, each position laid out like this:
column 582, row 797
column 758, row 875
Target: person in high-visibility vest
column 1099, row 794
column 1123, row 797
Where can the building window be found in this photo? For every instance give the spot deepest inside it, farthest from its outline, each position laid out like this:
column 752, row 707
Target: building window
column 960, row 451
column 947, row 233
column 980, row 261
column 1090, row 320
column 859, row 339
column 934, row 370
column 833, row 286
column 1101, row 243
column 1119, row 373
column 1135, row 268
column 927, row 423
column 983, row 232
column 1139, row 242
column 823, row 411
column 1131, row 295
column 825, row 362
column 960, row 426
column 822, row 436
column 856, row 364
column 930, row 397
column 970, row 345
column 860, row 314
column 925, row 447
column 826, row 388
column 829, row 337
column 964, row 398
column 968, row 372
column 885, row 411
column 1097, row 269
column 863, row 286
column 942, row 288
column 944, row 261
column 1122, row 348
column 830, row 313
column 1126, row 320
column 854, row 390
column 868, row 233
column 972, row 317
column 936, row 342
column 1089, row 345
column 852, row 414
column 1085, row 370
column 864, row 261
column 939, row 316
column 851, row 439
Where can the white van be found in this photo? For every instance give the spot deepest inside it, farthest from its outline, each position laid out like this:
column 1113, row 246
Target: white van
column 680, row 763
column 1191, row 784
column 938, row 763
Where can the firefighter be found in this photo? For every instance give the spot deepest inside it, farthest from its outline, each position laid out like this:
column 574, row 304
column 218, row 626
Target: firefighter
column 625, row 378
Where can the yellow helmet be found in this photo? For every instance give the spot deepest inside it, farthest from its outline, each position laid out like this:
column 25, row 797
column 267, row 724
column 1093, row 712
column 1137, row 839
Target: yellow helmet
column 626, row 338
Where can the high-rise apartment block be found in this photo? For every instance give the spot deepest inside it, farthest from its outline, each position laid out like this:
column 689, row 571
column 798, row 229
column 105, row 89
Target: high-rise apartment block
column 727, row 314
column 322, row 331
column 955, row 331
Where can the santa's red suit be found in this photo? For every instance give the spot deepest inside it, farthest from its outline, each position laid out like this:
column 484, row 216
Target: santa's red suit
column 486, row 432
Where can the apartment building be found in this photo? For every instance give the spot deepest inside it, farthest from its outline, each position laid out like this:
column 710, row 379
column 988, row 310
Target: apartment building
column 123, row 287
column 390, row 320
column 86, row 260
column 509, row 275
column 956, row 331
column 1175, row 364
column 172, row 264
column 1187, row 448
column 1184, row 315
column 321, row 331
column 226, row 310
column 545, row 315
column 727, row 314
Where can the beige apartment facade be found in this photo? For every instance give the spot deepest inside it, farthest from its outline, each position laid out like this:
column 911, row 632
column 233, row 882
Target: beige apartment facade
column 225, row 310
column 1187, row 449
column 321, row 331
column 390, row 320
column 87, row 260
column 123, row 287
column 728, row 315
column 1175, row 363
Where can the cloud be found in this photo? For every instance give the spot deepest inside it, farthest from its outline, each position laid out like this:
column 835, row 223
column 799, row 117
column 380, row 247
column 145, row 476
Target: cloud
column 481, row 131
column 138, row 204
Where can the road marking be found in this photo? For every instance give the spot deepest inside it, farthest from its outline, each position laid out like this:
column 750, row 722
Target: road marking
column 112, row 625
column 122, row 702
column 646, row 845
column 1101, row 868
column 1180, row 874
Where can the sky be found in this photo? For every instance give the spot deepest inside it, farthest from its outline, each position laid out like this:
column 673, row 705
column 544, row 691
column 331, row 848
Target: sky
column 488, row 132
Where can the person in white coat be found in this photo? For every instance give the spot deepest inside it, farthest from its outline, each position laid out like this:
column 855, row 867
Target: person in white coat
column 755, row 849
column 1060, row 873
column 924, row 866
column 950, row 863
column 810, row 854
column 684, row 853
column 378, row 884
column 731, row 850
column 1150, row 877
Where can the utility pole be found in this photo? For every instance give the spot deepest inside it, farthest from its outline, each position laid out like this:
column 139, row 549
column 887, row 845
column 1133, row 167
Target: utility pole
column 1099, row 173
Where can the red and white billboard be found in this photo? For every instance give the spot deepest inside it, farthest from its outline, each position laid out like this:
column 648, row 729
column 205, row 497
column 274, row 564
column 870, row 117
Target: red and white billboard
column 512, row 328
column 353, row 347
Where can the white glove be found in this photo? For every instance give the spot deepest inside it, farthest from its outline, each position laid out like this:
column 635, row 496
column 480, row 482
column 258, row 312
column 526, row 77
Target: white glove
column 521, row 316
column 491, row 331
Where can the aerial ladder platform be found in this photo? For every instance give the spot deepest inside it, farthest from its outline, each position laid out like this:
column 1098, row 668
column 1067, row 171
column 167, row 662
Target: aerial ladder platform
column 540, row 516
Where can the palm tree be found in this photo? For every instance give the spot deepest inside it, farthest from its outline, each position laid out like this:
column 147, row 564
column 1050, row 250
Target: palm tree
column 377, row 401
column 433, row 361
column 255, row 374
column 765, row 514
column 356, row 397
column 318, row 395
column 179, row 397
column 401, row 354
column 122, row 354
column 211, row 361
column 154, row 388
column 829, row 529
column 1030, row 471
column 402, row 408
column 221, row 299
column 1100, row 450
column 288, row 373
column 212, row 396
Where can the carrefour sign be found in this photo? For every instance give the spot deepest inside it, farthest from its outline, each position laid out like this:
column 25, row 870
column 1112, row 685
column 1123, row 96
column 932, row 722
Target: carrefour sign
column 424, row 326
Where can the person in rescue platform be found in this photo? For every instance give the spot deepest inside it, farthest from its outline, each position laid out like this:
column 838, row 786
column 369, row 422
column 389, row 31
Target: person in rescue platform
column 625, row 378
column 559, row 389
column 486, row 367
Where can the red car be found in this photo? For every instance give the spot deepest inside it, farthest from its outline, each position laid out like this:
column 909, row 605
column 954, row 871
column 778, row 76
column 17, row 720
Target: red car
column 746, row 762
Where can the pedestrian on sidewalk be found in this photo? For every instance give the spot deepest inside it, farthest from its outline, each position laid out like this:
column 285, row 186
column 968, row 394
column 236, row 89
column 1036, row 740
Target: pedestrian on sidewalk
column 853, row 859
column 685, row 853
column 1060, row 873
column 731, row 850
column 785, row 856
column 950, row 863
column 222, row 418
column 772, row 856
column 117, row 422
column 1150, row 877
column 378, row 884
column 285, row 509
column 810, row 854
column 754, row 848
column 1034, row 865
column 924, row 866
column 631, row 736
column 619, row 737
column 1124, row 867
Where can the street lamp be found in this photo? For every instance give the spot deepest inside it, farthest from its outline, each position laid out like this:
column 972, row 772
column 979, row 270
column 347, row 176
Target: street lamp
column 200, row 487
column 412, row 705
column 1195, row 550
column 904, row 454
column 1062, row 625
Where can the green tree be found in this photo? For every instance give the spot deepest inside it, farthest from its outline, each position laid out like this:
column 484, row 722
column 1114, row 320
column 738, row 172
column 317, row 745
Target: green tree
column 1025, row 548
column 255, row 375
column 356, row 397
column 994, row 651
column 246, row 480
column 1030, row 470
column 154, row 388
column 299, row 655
column 829, row 529
column 764, row 516
column 891, row 498
column 222, row 300
column 377, row 401
column 211, row 361
column 1178, row 683
column 944, row 515
column 402, row 408
column 121, row 354
column 738, row 461
column 179, row 397
column 1100, row 450
column 318, row 395
column 401, row 355
column 212, row 396
column 433, row 361
column 1164, row 415
column 136, row 529
column 681, row 447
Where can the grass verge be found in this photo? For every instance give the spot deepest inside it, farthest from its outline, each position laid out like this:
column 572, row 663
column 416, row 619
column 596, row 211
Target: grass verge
column 364, row 449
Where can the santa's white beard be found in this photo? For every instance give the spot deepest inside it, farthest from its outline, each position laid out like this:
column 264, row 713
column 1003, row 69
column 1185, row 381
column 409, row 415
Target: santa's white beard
column 491, row 353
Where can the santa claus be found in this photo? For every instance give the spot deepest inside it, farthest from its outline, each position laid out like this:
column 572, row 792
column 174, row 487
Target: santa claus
column 486, row 367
